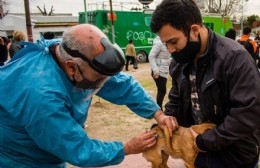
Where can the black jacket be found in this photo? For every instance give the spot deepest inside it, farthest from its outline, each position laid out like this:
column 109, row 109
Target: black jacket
column 3, row 54
column 228, row 86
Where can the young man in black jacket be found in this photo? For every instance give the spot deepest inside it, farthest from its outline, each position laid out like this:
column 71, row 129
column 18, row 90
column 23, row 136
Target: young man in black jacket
column 214, row 79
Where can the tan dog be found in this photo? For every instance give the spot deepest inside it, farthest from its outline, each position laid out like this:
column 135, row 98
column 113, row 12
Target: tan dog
column 180, row 145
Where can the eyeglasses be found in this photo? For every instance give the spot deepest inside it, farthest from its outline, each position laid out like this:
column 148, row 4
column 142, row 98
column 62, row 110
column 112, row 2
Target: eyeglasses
column 108, row 63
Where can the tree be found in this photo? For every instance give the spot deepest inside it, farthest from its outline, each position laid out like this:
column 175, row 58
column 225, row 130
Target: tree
column 223, row 7
column 3, row 11
column 251, row 19
column 44, row 12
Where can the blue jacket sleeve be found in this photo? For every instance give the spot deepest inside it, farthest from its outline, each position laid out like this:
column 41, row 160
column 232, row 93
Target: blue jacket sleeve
column 122, row 89
column 54, row 130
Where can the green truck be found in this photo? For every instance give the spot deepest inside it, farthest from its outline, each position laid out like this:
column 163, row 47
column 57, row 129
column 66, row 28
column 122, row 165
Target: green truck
column 135, row 25
column 217, row 23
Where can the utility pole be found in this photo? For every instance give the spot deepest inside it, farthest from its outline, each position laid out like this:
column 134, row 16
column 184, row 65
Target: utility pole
column 1, row 9
column 28, row 20
column 242, row 17
column 112, row 22
column 85, row 10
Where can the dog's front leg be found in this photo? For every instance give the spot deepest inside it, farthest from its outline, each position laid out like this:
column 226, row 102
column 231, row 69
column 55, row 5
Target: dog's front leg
column 154, row 156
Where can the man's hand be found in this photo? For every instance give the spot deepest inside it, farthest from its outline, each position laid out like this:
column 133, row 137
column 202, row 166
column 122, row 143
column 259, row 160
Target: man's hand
column 141, row 143
column 168, row 121
column 155, row 76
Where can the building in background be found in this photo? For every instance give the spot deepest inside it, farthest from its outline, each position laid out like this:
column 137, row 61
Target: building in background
column 56, row 24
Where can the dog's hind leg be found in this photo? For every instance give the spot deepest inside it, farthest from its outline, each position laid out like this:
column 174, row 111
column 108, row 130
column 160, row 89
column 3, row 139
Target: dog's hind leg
column 164, row 160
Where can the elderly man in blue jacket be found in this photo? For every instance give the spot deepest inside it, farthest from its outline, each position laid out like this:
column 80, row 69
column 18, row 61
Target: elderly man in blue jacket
column 46, row 91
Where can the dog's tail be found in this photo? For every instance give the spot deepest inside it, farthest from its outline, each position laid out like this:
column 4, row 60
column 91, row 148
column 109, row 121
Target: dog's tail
column 168, row 139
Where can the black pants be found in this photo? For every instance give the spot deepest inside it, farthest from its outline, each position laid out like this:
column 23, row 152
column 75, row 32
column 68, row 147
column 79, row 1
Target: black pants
column 133, row 60
column 216, row 160
column 161, row 89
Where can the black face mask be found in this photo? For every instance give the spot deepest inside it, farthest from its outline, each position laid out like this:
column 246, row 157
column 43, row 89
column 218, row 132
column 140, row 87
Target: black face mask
column 86, row 84
column 188, row 53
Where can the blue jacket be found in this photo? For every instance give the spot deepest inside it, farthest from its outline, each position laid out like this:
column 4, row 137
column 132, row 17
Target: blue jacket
column 42, row 113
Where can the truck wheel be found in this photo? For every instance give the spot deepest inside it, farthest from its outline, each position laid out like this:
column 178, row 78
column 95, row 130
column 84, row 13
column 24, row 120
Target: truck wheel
column 141, row 57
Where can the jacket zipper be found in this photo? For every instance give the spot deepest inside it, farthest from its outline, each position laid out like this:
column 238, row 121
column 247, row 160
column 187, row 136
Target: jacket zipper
column 215, row 109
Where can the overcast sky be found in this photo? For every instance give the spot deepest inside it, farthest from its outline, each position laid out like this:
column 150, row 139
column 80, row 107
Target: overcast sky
column 75, row 6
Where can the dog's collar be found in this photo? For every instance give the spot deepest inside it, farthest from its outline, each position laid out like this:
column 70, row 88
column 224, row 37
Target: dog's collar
column 160, row 136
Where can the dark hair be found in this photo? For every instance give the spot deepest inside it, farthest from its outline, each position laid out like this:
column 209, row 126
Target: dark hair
column 130, row 41
column 5, row 39
column 48, row 35
column 247, row 30
column 180, row 14
column 231, row 33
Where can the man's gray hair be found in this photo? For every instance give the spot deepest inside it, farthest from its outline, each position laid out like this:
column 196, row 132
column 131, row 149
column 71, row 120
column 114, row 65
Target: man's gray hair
column 73, row 42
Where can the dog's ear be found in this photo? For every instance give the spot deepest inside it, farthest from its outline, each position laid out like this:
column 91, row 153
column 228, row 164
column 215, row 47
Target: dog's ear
column 154, row 125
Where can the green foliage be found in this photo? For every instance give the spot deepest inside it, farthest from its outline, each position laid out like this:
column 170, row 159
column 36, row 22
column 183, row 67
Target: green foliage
column 251, row 19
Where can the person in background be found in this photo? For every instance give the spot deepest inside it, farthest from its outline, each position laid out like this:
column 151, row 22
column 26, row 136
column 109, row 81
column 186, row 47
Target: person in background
column 214, row 80
column 3, row 50
column 48, row 35
column 18, row 37
column 130, row 55
column 48, row 88
column 231, row 33
column 249, row 44
column 159, row 59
